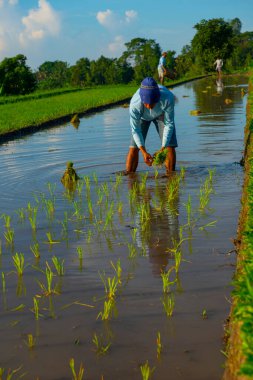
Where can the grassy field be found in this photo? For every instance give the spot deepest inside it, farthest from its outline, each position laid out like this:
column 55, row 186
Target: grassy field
column 37, row 109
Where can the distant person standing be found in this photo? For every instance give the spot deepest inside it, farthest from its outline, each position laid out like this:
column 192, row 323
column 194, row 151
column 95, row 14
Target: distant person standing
column 162, row 67
column 219, row 64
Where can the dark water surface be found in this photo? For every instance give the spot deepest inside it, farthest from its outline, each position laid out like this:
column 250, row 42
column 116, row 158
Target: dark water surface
column 115, row 231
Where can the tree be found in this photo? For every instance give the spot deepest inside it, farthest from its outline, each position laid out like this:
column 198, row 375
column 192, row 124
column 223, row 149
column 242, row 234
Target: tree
column 80, row 72
column 213, row 38
column 16, row 77
column 53, row 74
column 143, row 55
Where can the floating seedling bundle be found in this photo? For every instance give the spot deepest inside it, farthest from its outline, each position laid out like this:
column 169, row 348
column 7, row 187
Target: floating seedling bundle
column 70, row 176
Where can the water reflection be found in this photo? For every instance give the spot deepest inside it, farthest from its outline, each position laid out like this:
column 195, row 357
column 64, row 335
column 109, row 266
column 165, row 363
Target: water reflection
column 156, row 217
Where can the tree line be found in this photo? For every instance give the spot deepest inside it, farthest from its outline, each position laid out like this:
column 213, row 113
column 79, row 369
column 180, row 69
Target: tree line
column 213, row 38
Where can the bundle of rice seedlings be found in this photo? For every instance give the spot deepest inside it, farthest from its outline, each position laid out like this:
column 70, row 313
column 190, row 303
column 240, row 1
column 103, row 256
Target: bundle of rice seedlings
column 159, row 157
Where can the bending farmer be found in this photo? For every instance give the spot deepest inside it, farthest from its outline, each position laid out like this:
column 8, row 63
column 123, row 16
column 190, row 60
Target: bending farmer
column 219, row 64
column 152, row 103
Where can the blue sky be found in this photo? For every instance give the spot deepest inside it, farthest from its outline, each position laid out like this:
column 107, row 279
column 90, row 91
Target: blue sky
column 48, row 30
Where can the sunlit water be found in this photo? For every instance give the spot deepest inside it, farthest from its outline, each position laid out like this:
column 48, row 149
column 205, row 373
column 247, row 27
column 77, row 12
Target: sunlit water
column 192, row 343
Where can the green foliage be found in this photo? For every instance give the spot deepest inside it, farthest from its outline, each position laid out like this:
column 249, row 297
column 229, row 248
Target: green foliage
column 214, row 38
column 143, row 55
column 16, row 77
column 53, row 74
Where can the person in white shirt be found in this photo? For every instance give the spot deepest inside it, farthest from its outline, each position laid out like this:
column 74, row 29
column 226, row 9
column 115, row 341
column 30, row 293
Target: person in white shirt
column 219, row 64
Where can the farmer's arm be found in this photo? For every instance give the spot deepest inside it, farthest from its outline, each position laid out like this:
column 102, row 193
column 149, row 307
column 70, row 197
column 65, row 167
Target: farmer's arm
column 169, row 123
column 135, row 123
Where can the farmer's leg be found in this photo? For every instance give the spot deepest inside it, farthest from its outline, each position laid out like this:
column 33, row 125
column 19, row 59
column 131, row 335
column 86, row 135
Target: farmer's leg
column 132, row 159
column 170, row 162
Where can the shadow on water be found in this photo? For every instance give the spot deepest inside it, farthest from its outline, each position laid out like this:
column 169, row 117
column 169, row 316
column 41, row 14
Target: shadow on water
column 131, row 229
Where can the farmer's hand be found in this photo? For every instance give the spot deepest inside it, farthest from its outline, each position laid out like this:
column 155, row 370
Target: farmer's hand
column 146, row 156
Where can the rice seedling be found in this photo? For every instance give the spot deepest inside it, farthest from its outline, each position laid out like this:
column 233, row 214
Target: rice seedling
column 49, row 206
column 118, row 270
column 134, row 233
column 109, row 216
column 3, row 283
column 9, row 236
column 178, row 260
column 118, row 182
column 80, row 256
column 7, row 221
column 101, row 347
column 32, row 217
column 143, row 210
column 59, row 265
column 188, row 207
column 50, row 239
column 110, row 285
column 64, row 223
column 35, row 248
column 36, row 308
column 75, row 375
column 78, row 210
column 182, row 172
column 30, row 342
column 143, row 184
column 90, row 207
column 205, row 191
column 95, row 178
column 109, row 310
column 210, row 224
column 9, row 374
column 168, row 302
column 100, row 197
column 146, row 371
column 89, row 236
column 172, row 188
column 160, row 157
column 132, row 250
column 156, row 173
column 87, row 183
column 204, row 314
column 167, row 282
column 48, row 288
column 159, row 345
column 21, row 214
column 1, row 247
column 79, row 187
column 19, row 262
column 120, row 207
column 105, row 189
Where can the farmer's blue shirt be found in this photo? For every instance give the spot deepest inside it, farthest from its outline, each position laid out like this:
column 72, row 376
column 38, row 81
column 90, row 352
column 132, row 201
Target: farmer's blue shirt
column 162, row 61
column 138, row 111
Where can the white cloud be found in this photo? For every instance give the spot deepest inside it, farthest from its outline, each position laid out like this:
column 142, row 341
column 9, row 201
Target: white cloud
column 110, row 19
column 106, row 18
column 130, row 15
column 1, row 3
column 41, row 22
column 117, row 45
column 13, row 2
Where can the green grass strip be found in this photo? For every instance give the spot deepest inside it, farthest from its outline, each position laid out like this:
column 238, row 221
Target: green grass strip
column 243, row 284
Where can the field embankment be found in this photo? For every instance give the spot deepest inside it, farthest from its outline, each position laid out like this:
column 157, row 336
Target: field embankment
column 239, row 365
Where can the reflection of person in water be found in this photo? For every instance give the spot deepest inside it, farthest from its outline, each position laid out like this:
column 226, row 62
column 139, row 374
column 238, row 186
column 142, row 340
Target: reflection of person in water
column 156, row 238
column 219, row 86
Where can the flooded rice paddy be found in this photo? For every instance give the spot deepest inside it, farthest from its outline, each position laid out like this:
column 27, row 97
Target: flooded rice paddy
column 123, row 274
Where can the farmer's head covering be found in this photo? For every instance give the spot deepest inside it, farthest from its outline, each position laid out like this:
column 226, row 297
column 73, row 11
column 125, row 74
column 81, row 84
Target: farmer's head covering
column 149, row 91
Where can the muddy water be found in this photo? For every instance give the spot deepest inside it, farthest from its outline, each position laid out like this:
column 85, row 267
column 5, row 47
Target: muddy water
column 210, row 144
